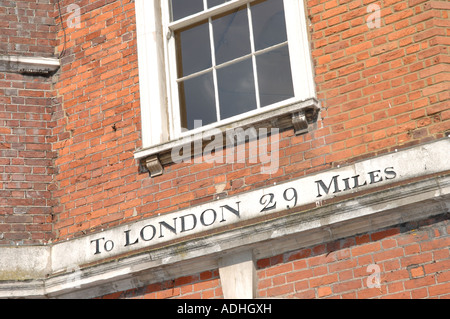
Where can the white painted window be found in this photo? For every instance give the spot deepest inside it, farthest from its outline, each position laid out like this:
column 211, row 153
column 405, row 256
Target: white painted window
column 218, row 62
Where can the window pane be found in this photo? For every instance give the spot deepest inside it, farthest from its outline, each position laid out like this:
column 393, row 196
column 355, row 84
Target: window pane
column 269, row 25
column 231, row 35
column 236, row 89
column 274, row 76
column 193, row 49
column 213, row 3
column 184, row 8
column 197, row 101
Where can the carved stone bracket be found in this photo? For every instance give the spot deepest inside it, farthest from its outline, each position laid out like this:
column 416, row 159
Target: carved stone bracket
column 300, row 123
column 154, row 166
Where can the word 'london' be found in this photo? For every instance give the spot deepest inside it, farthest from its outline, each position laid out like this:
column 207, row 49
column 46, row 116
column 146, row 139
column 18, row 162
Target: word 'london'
column 210, row 217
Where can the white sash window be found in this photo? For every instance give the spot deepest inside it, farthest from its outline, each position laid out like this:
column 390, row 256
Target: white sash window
column 207, row 64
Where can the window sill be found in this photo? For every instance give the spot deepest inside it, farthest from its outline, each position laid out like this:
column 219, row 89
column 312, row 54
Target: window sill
column 298, row 115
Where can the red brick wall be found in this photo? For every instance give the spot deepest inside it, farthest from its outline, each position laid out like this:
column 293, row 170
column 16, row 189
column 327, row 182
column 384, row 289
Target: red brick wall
column 381, row 89
column 98, row 121
column 205, row 285
column 413, row 259
column 67, row 142
column 26, row 160
column 27, row 28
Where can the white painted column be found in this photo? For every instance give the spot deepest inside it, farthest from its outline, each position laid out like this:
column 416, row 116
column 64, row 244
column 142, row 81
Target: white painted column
column 238, row 275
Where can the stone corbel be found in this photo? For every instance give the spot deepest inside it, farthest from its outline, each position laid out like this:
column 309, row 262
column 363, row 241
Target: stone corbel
column 154, row 166
column 300, row 123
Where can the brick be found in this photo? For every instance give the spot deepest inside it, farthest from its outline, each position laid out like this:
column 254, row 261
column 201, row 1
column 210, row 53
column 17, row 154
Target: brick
column 341, row 63
column 305, row 294
column 342, row 265
column 324, row 291
column 425, row 281
column 274, row 271
column 299, row 275
column 365, row 249
column 424, row 257
column 417, row 272
column 323, row 280
column 279, row 291
column 388, row 254
column 385, row 233
column 436, row 266
column 347, row 286
column 298, row 255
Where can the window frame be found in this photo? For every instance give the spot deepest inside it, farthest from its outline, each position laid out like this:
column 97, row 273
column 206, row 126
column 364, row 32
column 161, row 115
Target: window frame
column 161, row 123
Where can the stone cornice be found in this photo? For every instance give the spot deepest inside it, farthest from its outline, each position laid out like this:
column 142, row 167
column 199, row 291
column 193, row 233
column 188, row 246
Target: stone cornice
column 45, row 271
column 29, row 65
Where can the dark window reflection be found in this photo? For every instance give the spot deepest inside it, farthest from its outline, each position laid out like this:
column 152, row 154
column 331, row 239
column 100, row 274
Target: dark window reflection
column 197, row 101
column 269, row 25
column 184, row 8
column 195, row 49
column 235, row 80
column 274, row 76
column 236, row 89
column 213, row 3
column 231, row 35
